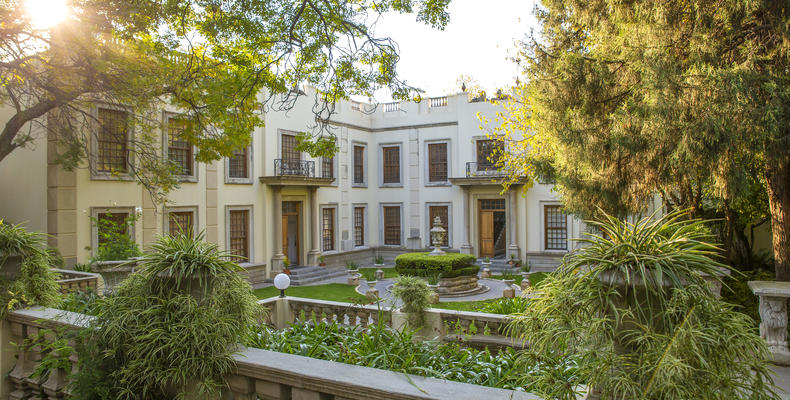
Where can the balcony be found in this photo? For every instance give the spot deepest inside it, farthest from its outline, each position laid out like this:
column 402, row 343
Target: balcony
column 474, row 170
column 296, row 172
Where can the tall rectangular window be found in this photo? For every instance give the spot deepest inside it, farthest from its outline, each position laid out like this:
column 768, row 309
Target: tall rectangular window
column 110, row 223
column 488, row 152
column 328, row 228
column 112, row 141
column 179, row 150
column 392, row 225
column 442, row 213
column 328, row 167
column 437, row 162
column 239, row 234
column 359, row 226
column 556, row 228
column 181, row 222
column 359, row 164
column 390, row 164
column 237, row 165
column 288, row 148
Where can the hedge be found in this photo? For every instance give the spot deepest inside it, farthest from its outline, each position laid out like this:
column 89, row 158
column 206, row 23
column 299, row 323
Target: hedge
column 449, row 265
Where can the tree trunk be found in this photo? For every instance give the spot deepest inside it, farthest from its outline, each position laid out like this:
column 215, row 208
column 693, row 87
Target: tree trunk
column 777, row 178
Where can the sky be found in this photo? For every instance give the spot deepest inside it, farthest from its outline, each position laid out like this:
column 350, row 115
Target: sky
column 476, row 42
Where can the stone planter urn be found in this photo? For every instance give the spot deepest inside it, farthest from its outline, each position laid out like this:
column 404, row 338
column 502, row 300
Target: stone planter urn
column 113, row 272
column 486, row 273
column 509, row 291
column 372, row 293
column 353, row 278
column 525, row 283
column 372, row 284
column 379, row 274
column 11, row 267
column 435, row 294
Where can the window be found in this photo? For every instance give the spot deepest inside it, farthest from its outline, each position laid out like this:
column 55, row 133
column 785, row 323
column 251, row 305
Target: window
column 109, row 223
column 239, row 234
column 328, row 167
column 359, row 226
column 179, row 150
column 390, row 164
column 238, row 164
column 392, row 225
column 359, row 164
column 112, row 141
column 555, row 228
column 442, row 213
column 437, row 162
column 181, row 222
column 488, row 152
column 328, row 228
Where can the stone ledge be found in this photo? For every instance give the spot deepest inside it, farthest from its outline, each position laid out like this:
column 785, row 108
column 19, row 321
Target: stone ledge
column 770, row 288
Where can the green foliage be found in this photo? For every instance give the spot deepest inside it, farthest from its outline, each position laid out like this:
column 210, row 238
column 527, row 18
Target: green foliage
column 448, row 265
column 736, row 291
column 171, row 328
column 379, row 260
column 369, row 274
column 36, row 282
column 352, row 265
column 81, row 301
column 413, row 292
column 633, row 309
column 504, row 305
column 115, row 243
column 384, row 348
column 55, row 349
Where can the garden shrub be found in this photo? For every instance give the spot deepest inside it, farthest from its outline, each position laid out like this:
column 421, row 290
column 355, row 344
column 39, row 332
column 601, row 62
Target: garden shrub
column 115, row 243
column 36, row 283
column 505, row 306
column 156, row 337
column 657, row 332
column 450, row 265
column 413, row 292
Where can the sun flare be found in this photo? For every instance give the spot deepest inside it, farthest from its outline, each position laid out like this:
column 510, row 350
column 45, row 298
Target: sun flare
column 45, row 14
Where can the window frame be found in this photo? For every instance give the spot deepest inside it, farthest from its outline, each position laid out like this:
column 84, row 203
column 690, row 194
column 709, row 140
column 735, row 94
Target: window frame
column 382, row 146
column 166, row 218
column 95, row 128
column 365, row 173
column 193, row 178
column 382, row 224
column 94, row 213
column 365, row 230
column 427, row 168
column 241, row 181
column 544, row 228
column 429, row 223
column 335, row 236
column 250, row 230
column 491, row 166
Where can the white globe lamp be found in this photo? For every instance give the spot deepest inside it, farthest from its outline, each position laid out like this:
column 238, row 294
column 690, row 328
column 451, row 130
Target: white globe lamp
column 281, row 282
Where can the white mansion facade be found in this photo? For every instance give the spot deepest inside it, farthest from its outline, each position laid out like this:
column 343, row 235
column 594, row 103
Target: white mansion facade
column 398, row 167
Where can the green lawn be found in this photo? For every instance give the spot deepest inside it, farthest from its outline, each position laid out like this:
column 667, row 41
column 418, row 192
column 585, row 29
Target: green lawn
column 461, row 305
column 389, row 273
column 534, row 279
column 331, row 292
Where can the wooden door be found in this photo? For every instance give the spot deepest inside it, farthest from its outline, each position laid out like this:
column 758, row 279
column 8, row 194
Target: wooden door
column 486, row 233
column 285, row 234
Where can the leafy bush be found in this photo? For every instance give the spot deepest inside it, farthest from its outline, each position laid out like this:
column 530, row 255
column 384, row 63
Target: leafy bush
column 384, row 348
column 36, row 282
column 504, row 305
column 448, row 265
column 114, row 242
column 80, row 301
column 633, row 306
column 171, row 328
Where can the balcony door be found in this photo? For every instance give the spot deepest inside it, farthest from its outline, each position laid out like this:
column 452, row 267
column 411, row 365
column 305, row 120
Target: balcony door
column 292, row 158
column 291, row 219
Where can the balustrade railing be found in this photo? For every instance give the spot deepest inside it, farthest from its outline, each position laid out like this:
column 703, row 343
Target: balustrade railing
column 259, row 374
column 391, row 107
column 434, row 102
column 283, row 167
column 72, row 281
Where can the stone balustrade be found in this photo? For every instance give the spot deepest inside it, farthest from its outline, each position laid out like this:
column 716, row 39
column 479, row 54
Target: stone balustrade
column 72, row 281
column 475, row 328
column 773, row 317
column 260, row 374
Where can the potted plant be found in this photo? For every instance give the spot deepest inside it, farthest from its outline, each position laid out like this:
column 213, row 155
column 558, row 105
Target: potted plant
column 415, row 297
column 633, row 302
column 508, row 278
column 321, row 261
column 525, row 273
column 378, row 262
column 486, row 270
column 286, row 266
column 352, row 267
column 25, row 266
column 486, row 263
column 370, row 277
column 432, row 281
column 117, row 254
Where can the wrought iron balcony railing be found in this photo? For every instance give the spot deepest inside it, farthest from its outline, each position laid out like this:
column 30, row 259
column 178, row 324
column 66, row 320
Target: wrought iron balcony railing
column 294, row 168
column 474, row 169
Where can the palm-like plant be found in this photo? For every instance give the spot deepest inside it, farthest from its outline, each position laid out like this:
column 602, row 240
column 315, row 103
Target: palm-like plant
column 633, row 309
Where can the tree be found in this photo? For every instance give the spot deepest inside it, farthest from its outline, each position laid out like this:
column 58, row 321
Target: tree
column 222, row 63
column 685, row 99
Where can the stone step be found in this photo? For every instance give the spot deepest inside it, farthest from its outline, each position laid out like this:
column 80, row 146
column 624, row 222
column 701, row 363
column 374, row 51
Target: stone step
column 301, row 276
column 316, row 279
